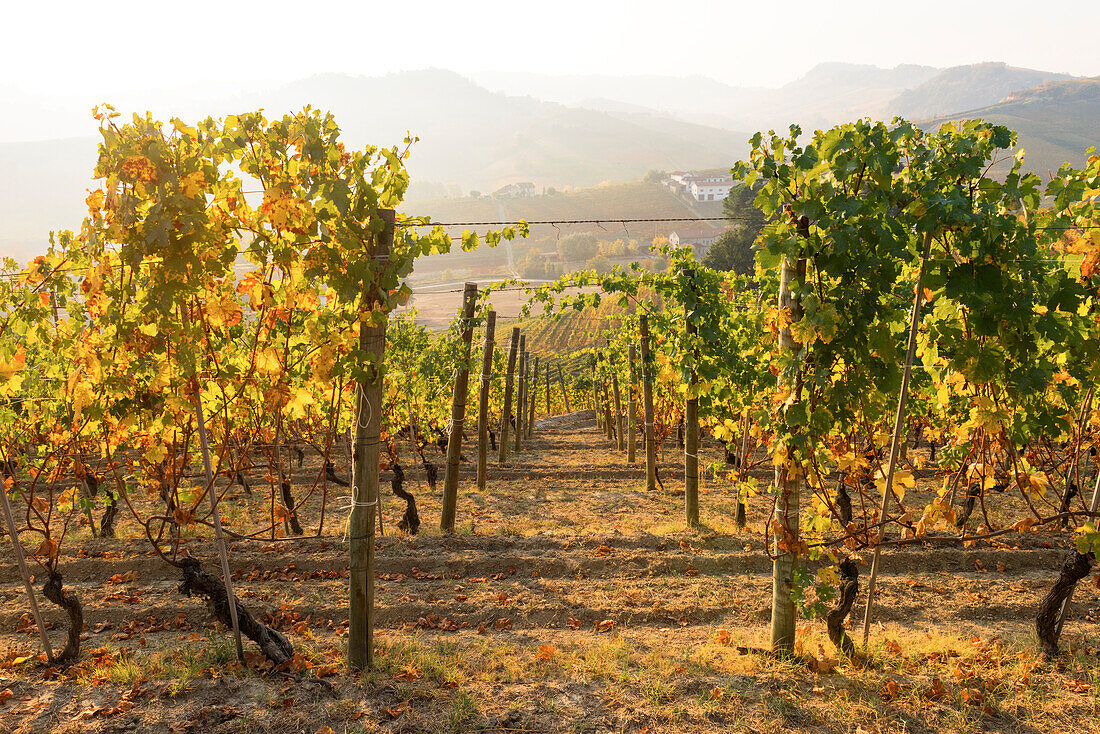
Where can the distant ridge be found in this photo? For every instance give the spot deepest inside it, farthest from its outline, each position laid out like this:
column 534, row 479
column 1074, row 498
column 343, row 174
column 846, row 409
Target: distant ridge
column 967, row 87
column 1056, row 122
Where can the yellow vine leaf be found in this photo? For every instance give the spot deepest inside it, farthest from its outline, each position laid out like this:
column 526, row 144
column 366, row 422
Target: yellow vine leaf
column 10, row 366
column 193, row 184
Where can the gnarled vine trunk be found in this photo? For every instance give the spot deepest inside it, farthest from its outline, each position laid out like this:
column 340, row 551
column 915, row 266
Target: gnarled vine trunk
column 288, row 503
column 849, row 587
column 1076, row 567
column 54, row 590
column 272, row 643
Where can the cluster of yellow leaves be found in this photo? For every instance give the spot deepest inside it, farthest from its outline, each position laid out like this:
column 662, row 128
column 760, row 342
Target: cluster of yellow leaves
column 289, row 213
column 139, row 169
column 193, row 184
column 223, row 310
column 903, row 480
column 939, row 510
column 11, row 377
column 261, row 294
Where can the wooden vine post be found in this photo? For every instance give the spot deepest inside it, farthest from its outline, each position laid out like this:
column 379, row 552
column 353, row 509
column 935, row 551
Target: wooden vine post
column 219, row 536
column 647, row 406
column 458, row 412
column 787, row 484
column 21, row 560
column 533, row 398
column 564, row 392
column 520, row 391
column 483, row 401
column 619, row 440
column 899, row 422
column 596, row 395
column 631, row 408
column 365, row 463
column 547, row 370
column 691, row 415
column 608, row 424
column 509, row 386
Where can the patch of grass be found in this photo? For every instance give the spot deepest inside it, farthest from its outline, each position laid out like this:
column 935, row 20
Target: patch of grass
column 465, row 708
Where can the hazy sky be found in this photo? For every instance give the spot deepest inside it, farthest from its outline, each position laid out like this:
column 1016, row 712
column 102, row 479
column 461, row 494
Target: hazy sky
column 127, row 45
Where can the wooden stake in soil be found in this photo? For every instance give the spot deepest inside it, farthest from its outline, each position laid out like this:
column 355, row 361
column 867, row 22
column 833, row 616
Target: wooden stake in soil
column 564, row 393
column 219, row 536
column 483, row 401
column 619, row 440
column 458, row 412
column 691, row 421
column 596, row 397
column 647, row 403
column 365, row 460
column 21, row 560
column 547, row 390
column 520, row 396
column 787, row 484
column 608, row 424
column 899, row 421
column 533, row 398
column 509, row 385
column 631, row 407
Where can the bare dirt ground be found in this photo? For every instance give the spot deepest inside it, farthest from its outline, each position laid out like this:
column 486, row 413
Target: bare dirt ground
column 570, row 599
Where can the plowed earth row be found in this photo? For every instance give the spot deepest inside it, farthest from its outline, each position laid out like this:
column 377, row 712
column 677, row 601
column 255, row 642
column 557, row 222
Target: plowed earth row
column 570, row 600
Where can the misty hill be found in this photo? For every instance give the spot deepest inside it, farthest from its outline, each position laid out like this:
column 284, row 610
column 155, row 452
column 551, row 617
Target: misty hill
column 482, row 140
column 682, row 96
column 470, row 138
column 1057, row 122
column 827, row 94
column 965, row 88
column 832, row 93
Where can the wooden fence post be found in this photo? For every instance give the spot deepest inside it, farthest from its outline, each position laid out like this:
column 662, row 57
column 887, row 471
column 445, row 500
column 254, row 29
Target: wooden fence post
column 787, row 485
column 564, row 392
column 219, row 536
column 458, row 413
column 608, row 424
column 691, row 417
column 596, row 395
column 533, row 397
column 899, row 422
column 21, row 560
column 361, row 525
column 520, row 391
column 483, row 401
column 631, row 408
column 620, row 440
column 647, row 403
column 509, row 386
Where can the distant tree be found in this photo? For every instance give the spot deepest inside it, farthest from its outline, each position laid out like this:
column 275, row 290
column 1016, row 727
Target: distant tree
column 578, row 247
column 532, row 265
column 475, row 194
column 734, row 249
column 600, row 264
column 655, row 176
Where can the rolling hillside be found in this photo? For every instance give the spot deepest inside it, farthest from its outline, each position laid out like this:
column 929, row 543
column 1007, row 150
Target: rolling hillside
column 470, row 137
column 1057, row 122
column 966, row 88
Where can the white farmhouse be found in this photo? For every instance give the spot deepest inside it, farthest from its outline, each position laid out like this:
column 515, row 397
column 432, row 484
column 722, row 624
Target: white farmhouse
column 710, row 188
column 699, row 240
